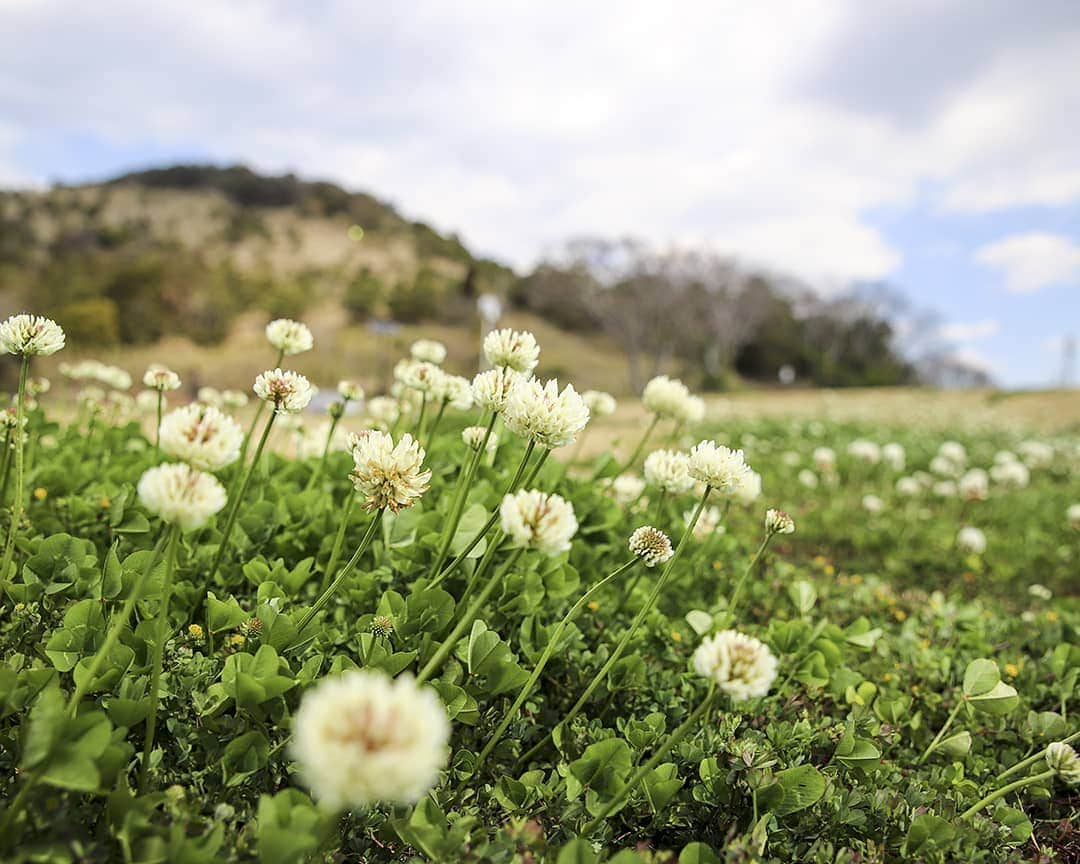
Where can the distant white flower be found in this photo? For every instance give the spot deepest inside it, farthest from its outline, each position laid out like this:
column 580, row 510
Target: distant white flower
column 389, row 475
column 971, row 540
column 945, row 489
column 181, row 495
column 708, row 522
column 779, row 522
column 1064, row 762
column 599, row 403
column 669, row 471
column 38, row 386
column 824, row 459
column 1036, row 454
column 313, row 442
column 1012, row 474
column 808, row 478
column 864, row 451
column 210, row 396
column 363, row 738
column 491, row 388
column 692, row 412
column 350, row 391
column 974, row 485
column 419, row 375
column 233, row 399
column 161, row 378
column 383, row 409
column 473, row 436
column 289, row 392
column 1072, row 516
column 909, row 487
column 627, row 488
column 945, row 467
column 455, row 391
column 31, row 335
column 147, row 401
column 723, row 469
column 954, row 451
column 513, row 349
column 1040, row 592
column 539, row 411
column 666, row 397
column 534, row 519
column 790, row 458
column 894, row 455
column 651, row 545
column 742, row 666
column 201, row 436
column 872, row 504
column 428, row 350
column 749, row 490
column 288, row 336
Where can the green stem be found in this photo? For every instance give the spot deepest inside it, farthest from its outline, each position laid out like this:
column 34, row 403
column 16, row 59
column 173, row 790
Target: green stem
column 749, row 569
column 635, row 624
column 317, row 473
column 17, row 503
column 16, row 807
column 324, row 598
column 635, row 779
column 158, row 654
column 5, row 465
column 941, row 733
column 230, row 520
column 466, row 621
column 255, row 420
column 1031, row 760
column 481, row 567
column 339, row 538
column 1005, row 790
column 157, row 429
column 420, row 418
column 435, row 424
column 549, row 649
column 640, row 446
column 116, row 626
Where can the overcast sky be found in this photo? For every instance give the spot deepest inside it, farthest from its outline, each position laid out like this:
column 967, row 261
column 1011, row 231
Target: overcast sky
column 934, row 145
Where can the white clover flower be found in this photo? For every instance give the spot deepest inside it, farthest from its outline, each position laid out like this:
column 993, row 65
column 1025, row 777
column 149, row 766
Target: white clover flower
column 31, row 335
column 692, row 411
column 288, row 336
column 455, row 391
column 651, row 545
column 181, row 495
column 779, row 522
column 1036, row 454
column 91, row 398
column 894, row 456
column 210, row 396
column 1064, row 762
column 1012, row 474
column 312, row 443
column 389, row 475
column 808, row 478
column 974, row 485
column 790, row 458
column 161, row 378
column 201, row 436
column 350, row 391
column 383, row 409
column 722, row 468
column 473, row 436
column 824, row 459
column 233, row 399
column 512, row 349
column 419, row 375
column 627, row 488
column 1072, row 516
column 1003, row 456
column 872, row 504
column 945, row 489
column 147, row 401
column 708, row 522
column 971, row 540
column 864, row 451
column 749, row 488
column 666, row 397
column 536, row 520
column 945, row 467
column 289, row 392
column 599, row 403
column 954, row 451
column 668, row 470
column 363, row 738
column 491, row 388
column 909, row 487
column 1040, row 592
column 742, row 666
column 428, row 351
column 38, row 386
column 540, row 412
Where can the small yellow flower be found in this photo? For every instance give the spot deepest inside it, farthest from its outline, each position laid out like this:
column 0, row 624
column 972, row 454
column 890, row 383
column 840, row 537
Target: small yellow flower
column 104, row 503
column 1011, row 670
column 830, row 570
column 887, row 677
column 676, row 636
column 819, row 560
column 857, row 579
column 925, row 644
column 41, row 493
column 195, row 631
column 237, row 639
column 899, row 614
column 1052, row 615
column 914, row 688
column 593, row 605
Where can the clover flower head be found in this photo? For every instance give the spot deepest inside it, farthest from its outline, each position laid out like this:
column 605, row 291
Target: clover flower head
column 537, row 520
column 288, row 336
column 720, row 467
column 181, row 495
column 779, row 522
column 666, row 398
column 1064, row 761
column 669, row 471
column 428, row 351
column 541, row 412
column 201, row 436
column 512, row 349
column 971, row 540
column 161, row 378
column 31, row 335
column 740, row 665
column 651, row 545
column 350, row 391
column 288, row 391
column 386, row 474
column 599, row 403
column 490, row 389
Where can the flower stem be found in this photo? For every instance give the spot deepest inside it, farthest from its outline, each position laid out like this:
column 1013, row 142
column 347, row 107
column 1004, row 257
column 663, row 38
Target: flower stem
column 317, row 473
column 324, row 598
column 635, row 779
column 634, row 625
column 941, row 733
column 1005, row 790
column 17, row 502
column 1031, row 760
column 420, row 419
column 549, row 649
column 117, row 625
column 255, row 420
column 641, row 445
column 435, row 423
column 159, row 653
column 339, row 538
column 230, row 520
column 157, row 428
column 749, row 569
column 466, row 621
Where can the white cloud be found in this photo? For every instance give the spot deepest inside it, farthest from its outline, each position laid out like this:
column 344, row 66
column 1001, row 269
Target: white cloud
column 969, row 332
column 1033, row 261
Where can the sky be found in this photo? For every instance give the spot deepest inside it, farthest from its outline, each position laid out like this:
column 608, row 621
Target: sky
column 933, row 146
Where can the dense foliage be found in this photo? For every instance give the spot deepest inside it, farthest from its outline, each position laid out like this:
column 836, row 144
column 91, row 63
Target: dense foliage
column 884, row 630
